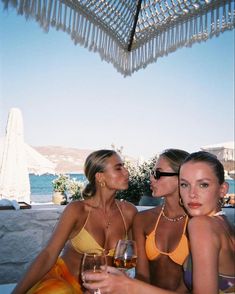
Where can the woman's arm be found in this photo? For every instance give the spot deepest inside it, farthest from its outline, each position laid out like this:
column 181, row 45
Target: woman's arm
column 48, row 256
column 142, row 268
column 205, row 247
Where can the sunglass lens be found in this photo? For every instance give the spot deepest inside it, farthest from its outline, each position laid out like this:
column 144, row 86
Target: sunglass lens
column 156, row 174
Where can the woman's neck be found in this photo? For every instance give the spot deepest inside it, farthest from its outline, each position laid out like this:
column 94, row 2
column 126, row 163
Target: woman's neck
column 173, row 211
column 172, row 206
column 104, row 203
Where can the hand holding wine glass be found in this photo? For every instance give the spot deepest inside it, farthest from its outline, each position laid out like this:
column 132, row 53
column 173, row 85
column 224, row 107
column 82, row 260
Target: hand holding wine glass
column 125, row 256
column 93, row 262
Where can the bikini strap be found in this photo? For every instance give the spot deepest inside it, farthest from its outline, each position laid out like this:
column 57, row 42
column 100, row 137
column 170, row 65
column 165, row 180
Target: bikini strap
column 158, row 219
column 119, row 208
column 87, row 218
column 185, row 224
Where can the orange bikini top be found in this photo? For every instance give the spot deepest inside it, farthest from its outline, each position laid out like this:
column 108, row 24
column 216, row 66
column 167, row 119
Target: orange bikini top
column 178, row 255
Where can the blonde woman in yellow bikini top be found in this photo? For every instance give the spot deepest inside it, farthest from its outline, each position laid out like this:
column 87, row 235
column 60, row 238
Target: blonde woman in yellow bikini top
column 91, row 225
column 160, row 232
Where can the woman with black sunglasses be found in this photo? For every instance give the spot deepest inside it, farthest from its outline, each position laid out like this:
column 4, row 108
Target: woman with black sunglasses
column 160, row 232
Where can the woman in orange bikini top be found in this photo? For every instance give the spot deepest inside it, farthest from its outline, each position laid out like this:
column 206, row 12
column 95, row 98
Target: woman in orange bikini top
column 160, row 232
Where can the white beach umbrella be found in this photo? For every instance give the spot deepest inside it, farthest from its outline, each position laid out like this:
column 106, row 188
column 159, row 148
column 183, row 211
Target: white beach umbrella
column 17, row 160
column 14, row 176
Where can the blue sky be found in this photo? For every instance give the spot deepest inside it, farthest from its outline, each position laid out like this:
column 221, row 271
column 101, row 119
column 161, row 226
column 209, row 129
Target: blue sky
column 69, row 97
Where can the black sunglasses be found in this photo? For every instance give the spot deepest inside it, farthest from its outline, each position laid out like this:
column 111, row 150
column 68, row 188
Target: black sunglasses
column 157, row 174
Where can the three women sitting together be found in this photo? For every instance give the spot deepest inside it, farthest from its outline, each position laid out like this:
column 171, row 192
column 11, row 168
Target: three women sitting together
column 185, row 245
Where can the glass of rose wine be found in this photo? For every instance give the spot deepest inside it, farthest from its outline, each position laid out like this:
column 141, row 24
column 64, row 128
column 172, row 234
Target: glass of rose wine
column 93, row 262
column 125, row 256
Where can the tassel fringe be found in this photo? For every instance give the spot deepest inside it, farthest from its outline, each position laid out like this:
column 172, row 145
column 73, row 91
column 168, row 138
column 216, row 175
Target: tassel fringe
column 89, row 32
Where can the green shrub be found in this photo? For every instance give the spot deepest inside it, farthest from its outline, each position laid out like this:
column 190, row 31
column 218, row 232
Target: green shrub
column 139, row 181
column 75, row 189
column 60, row 183
column 67, row 186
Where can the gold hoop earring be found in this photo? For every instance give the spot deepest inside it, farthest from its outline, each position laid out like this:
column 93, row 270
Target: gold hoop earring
column 181, row 202
column 102, row 184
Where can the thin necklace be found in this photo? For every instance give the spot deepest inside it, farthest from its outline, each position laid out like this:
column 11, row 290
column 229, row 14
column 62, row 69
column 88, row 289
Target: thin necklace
column 107, row 219
column 175, row 219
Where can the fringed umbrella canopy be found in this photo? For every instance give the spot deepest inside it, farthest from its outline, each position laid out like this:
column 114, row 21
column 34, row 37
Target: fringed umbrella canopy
column 132, row 33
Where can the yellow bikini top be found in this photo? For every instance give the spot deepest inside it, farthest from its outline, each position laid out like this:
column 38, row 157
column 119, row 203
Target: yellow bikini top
column 178, row 255
column 84, row 242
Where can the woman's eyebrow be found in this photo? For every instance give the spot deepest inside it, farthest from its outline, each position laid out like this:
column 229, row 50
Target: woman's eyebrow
column 119, row 164
column 182, row 179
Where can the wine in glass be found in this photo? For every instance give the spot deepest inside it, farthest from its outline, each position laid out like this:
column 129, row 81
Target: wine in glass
column 93, row 262
column 125, row 256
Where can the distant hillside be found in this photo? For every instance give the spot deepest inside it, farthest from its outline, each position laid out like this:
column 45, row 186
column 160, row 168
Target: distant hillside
column 67, row 160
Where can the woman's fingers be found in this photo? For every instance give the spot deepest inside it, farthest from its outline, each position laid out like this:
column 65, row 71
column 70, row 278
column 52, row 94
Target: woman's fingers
column 93, row 276
column 92, row 286
column 113, row 270
column 107, row 282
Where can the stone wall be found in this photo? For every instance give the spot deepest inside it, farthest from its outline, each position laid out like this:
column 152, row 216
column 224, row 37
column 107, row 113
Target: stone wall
column 23, row 233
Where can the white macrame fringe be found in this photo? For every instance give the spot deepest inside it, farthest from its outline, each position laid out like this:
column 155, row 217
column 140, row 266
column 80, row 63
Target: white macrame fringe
column 87, row 31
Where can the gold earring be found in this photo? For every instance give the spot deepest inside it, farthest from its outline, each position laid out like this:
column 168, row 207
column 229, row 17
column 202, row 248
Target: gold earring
column 181, row 202
column 102, row 184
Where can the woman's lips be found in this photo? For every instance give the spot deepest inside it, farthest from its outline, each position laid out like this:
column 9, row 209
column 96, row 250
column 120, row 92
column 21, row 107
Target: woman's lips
column 194, row 205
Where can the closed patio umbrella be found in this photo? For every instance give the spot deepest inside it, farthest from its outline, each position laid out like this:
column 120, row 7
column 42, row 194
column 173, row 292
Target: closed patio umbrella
column 14, row 177
column 17, row 159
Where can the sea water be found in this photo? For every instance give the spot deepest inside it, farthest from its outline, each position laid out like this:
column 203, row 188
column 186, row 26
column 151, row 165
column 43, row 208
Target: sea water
column 231, row 186
column 42, row 188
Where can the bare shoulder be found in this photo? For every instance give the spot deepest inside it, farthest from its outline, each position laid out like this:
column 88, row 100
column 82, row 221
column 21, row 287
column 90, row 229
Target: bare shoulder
column 151, row 212
column 76, row 213
column 76, row 207
column 127, row 207
column 200, row 222
column 204, row 222
column 147, row 217
column 204, row 228
column 128, row 210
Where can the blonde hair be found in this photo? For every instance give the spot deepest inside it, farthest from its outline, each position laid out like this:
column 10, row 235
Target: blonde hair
column 95, row 163
column 175, row 157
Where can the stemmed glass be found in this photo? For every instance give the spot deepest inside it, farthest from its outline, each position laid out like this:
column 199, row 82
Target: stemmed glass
column 125, row 256
column 94, row 262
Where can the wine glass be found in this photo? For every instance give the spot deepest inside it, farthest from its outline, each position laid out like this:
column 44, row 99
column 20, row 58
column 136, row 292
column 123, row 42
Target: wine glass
column 93, row 262
column 125, row 256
